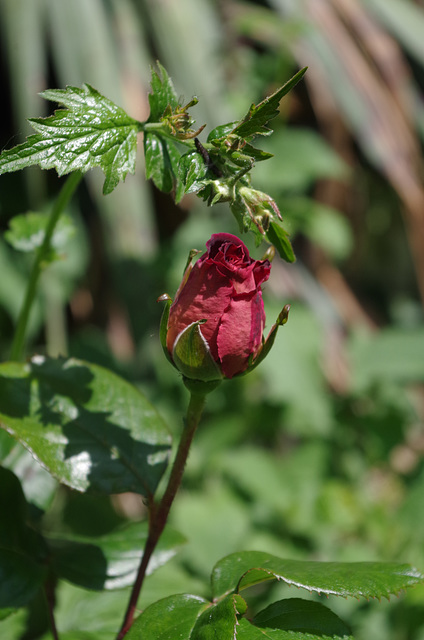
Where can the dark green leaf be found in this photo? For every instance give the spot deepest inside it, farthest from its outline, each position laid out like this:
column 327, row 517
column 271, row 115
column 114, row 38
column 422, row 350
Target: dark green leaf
column 26, row 232
column 369, row 579
column 295, row 614
column 14, row 531
column 255, row 121
column 162, row 95
column 279, row 238
column 12, row 507
column 110, row 561
column 23, row 552
column 170, row 618
column 91, row 132
column 20, row 578
column 92, row 430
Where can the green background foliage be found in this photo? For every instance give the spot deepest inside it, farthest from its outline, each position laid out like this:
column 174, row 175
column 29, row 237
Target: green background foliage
column 316, row 455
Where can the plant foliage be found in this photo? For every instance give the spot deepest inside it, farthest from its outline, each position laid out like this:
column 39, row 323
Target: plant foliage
column 91, row 131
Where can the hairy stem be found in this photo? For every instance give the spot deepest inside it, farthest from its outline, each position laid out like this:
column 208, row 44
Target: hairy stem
column 62, row 200
column 159, row 513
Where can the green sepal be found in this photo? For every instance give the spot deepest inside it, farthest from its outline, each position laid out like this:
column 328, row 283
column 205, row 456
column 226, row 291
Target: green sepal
column 192, row 254
column 187, row 270
column 192, row 356
column 163, row 330
column 199, row 387
column 269, row 342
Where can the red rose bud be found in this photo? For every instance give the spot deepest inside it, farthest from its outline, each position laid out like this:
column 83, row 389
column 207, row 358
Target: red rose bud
column 214, row 327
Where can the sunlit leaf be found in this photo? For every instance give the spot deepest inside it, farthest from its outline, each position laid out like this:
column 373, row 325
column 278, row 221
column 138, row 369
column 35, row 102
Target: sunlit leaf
column 172, row 617
column 110, row 561
column 91, row 429
column 369, row 579
column 26, row 232
column 91, row 132
column 220, row 620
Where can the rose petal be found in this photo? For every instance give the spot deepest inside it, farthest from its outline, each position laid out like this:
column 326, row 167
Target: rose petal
column 206, row 295
column 240, row 333
column 217, row 239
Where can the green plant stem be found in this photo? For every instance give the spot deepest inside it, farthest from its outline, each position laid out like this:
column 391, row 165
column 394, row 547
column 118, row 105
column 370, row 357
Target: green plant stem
column 62, row 200
column 159, row 512
column 50, row 602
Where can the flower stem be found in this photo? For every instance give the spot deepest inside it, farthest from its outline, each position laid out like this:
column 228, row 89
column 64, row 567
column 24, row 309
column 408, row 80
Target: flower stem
column 58, row 207
column 159, row 512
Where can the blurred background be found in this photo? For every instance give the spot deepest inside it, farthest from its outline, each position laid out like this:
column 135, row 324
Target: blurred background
column 319, row 453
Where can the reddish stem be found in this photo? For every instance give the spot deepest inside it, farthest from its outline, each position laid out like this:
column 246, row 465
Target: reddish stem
column 159, row 513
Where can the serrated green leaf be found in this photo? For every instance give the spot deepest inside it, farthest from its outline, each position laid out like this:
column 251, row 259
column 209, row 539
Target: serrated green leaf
column 110, row 561
column 248, row 631
column 172, row 617
column 91, row 132
column 295, row 614
column 369, row 579
column 255, row 121
column 280, row 239
column 26, row 232
column 162, row 95
column 88, row 427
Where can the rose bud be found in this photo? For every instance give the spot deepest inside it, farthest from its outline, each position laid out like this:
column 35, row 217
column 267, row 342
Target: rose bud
column 214, row 327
